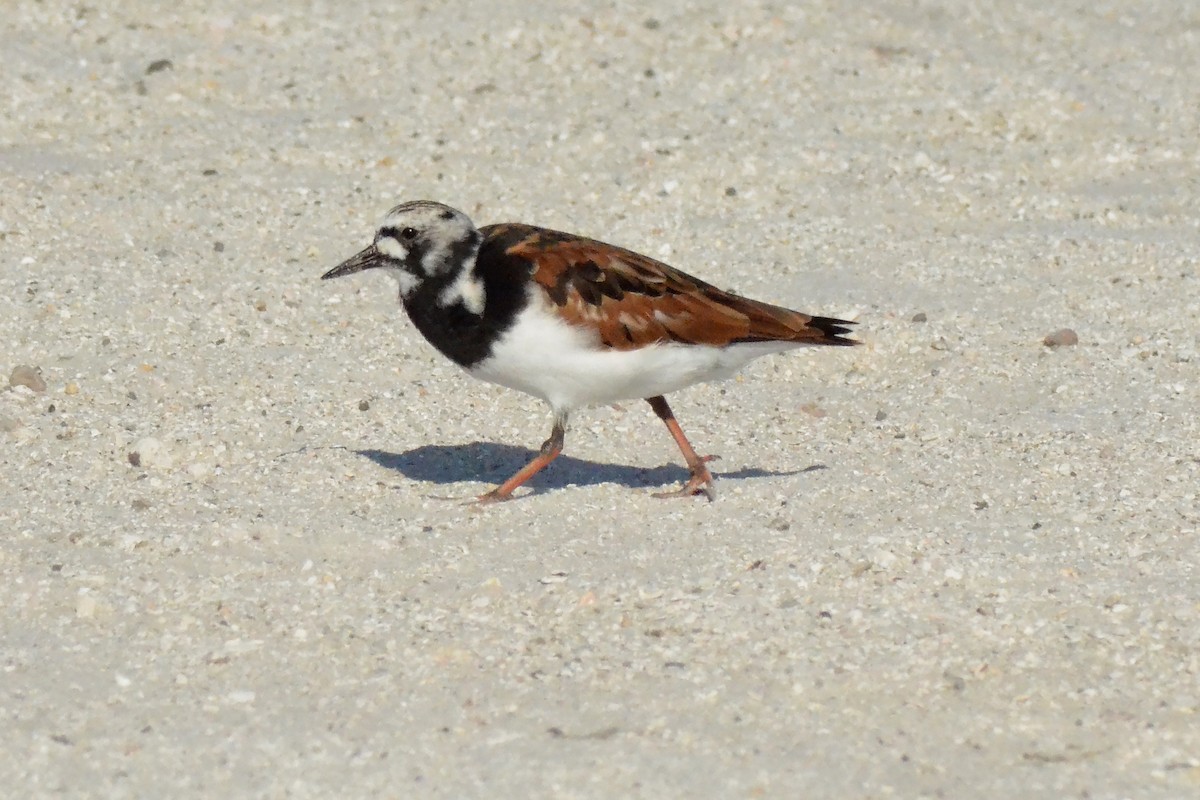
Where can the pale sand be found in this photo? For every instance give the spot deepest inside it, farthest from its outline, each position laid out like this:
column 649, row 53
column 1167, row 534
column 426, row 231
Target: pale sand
column 951, row 563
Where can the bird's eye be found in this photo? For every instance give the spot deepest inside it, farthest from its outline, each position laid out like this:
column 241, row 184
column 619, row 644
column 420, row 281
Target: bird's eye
column 408, row 233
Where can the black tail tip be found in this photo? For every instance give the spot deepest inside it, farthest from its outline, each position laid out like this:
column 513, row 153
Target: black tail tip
column 834, row 330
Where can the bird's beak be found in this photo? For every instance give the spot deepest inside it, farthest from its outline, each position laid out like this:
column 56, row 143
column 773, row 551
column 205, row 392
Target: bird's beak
column 357, row 263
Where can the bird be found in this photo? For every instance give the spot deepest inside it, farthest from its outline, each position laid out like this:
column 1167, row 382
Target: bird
column 574, row 321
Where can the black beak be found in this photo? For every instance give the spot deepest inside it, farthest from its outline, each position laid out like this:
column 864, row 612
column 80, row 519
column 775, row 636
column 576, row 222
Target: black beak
column 357, row 263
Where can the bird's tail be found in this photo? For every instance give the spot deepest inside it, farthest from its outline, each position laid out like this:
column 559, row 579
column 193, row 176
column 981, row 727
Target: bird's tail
column 833, row 331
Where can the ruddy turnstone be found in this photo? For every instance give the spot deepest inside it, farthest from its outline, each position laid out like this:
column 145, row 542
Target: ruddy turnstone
column 572, row 320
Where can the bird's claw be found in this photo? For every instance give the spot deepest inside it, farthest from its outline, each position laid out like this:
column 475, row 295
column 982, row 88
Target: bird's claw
column 489, row 498
column 701, row 482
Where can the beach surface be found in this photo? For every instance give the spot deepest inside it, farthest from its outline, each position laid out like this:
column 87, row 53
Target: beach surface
column 237, row 557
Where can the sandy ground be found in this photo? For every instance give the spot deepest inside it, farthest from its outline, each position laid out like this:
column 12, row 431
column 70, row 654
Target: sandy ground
column 952, row 563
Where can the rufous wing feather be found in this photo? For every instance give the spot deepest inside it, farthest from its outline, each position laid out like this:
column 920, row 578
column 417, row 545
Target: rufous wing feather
column 631, row 300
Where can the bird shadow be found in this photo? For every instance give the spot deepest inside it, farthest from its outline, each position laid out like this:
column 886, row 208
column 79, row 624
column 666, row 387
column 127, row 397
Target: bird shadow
column 490, row 462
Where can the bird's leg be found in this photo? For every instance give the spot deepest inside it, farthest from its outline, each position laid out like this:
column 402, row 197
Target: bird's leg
column 550, row 450
column 701, row 481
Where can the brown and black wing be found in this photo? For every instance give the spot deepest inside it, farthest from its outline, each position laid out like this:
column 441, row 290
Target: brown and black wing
column 631, row 300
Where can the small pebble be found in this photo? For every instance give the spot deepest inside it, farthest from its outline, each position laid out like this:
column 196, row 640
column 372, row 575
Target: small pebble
column 920, row 316
column 1061, row 338
column 30, row 377
column 150, row 452
column 159, row 66
column 85, row 606
column 364, row 405
column 71, row 388
column 814, row 410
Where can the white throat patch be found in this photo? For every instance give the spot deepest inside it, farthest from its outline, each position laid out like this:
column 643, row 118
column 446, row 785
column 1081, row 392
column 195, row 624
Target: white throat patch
column 467, row 288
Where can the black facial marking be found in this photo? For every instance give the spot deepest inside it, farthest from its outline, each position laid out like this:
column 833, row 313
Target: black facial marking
column 447, row 215
column 464, row 248
column 460, row 335
column 414, row 249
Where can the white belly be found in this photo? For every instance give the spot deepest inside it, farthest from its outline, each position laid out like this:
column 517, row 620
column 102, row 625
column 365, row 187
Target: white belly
column 547, row 358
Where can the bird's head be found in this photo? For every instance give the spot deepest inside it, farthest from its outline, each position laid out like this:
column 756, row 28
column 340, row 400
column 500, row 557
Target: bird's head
column 417, row 242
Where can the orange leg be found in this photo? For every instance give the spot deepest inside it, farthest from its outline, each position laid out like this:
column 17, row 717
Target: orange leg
column 550, row 450
column 701, row 481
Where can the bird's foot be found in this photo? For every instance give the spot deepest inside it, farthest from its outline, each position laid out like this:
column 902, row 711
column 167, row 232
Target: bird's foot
column 491, row 498
column 701, row 482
